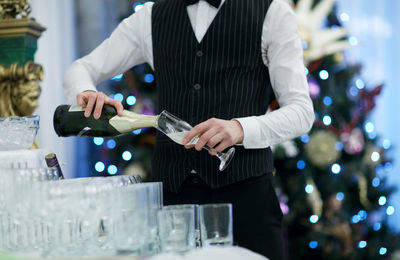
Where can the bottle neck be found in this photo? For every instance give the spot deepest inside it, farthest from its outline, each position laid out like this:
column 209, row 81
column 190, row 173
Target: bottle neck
column 130, row 121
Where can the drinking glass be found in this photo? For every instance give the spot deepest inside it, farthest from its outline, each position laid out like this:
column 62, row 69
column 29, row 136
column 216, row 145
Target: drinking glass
column 216, row 224
column 195, row 208
column 176, row 227
column 176, row 129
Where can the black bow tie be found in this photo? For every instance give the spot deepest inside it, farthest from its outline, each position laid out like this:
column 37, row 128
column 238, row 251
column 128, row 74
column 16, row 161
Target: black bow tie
column 214, row 3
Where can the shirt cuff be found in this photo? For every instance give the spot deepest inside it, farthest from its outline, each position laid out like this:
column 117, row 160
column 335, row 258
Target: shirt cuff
column 251, row 132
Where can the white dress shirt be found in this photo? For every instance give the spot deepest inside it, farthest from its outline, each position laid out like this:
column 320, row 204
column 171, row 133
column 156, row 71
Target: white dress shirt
column 131, row 44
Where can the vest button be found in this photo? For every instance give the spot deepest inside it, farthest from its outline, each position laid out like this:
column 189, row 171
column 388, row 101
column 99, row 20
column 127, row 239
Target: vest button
column 199, row 53
column 197, row 86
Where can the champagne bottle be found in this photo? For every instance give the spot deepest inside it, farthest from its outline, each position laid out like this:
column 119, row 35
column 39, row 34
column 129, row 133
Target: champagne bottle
column 70, row 121
column 51, row 161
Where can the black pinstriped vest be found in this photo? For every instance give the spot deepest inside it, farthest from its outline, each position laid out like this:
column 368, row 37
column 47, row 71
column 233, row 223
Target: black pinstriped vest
column 223, row 76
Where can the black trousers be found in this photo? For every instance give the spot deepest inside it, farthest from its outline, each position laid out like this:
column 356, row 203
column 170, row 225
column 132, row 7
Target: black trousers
column 257, row 217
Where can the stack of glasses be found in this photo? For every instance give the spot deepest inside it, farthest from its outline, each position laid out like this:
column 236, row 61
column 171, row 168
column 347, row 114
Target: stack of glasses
column 44, row 216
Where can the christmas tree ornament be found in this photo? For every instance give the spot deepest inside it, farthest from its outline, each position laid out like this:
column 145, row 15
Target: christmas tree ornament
column 353, row 142
column 320, row 150
column 320, row 42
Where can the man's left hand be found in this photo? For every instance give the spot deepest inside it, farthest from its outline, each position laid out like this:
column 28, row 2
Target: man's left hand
column 215, row 131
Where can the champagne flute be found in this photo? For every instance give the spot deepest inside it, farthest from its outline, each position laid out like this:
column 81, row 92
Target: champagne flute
column 176, row 129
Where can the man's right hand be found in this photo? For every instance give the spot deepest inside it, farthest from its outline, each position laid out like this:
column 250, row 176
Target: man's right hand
column 89, row 99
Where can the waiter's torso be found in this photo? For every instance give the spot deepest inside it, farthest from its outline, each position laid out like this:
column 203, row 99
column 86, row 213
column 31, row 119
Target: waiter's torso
column 223, row 76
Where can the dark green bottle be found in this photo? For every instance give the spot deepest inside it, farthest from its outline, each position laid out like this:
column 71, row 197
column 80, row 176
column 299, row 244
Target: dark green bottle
column 70, row 121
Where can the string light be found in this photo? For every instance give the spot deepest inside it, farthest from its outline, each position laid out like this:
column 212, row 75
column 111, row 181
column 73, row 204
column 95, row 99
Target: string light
column 131, row 100
column 99, row 166
column 355, row 219
column 313, row 244
column 369, row 127
column 344, row 17
column 362, row 215
column 327, row 120
column 386, row 144
column 377, row 226
column 376, row 182
column 149, row 78
column 375, row 156
column 301, row 164
column 98, row 140
column 137, row 6
column 340, row 196
column 305, row 138
column 119, row 97
column 111, row 144
column 327, row 101
column 382, row 200
column 382, row 250
column 314, row 219
column 390, row 210
column 112, row 169
column 362, row 244
column 388, row 167
column 338, row 146
column 324, row 74
column 353, row 41
column 353, row 91
column 336, row 168
column 360, row 84
column 309, row 188
column 126, row 155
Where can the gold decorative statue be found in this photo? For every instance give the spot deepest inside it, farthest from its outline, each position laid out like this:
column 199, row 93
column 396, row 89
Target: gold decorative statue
column 14, row 8
column 19, row 89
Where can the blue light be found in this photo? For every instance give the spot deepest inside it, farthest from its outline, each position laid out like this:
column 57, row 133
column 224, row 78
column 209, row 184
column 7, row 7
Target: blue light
column 338, row 146
column 111, row 144
column 388, row 167
column 306, row 71
column 327, row 120
column 305, row 138
column 304, row 44
column 372, row 135
column 327, row 101
column 131, row 100
column 99, row 166
column 353, row 91
column 314, row 219
column 376, row 182
column 355, row 219
column 126, row 155
column 149, row 78
column 362, row 214
column 137, row 131
column 119, row 97
column 137, row 6
column 98, row 140
column 324, row 75
column 313, row 244
column 375, row 156
column 377, row 226
column 112, row 169
column 336, row 168
column 301, row 164
column 362, row 244
column 369, row 127
column 344, row 17
column 340, row 196
column 390, row 210
column 360, row 84
column 382, row 200
column 117, row 77
column 386, row 144
column 382, row 251
column 309, row 188
column 353, row 40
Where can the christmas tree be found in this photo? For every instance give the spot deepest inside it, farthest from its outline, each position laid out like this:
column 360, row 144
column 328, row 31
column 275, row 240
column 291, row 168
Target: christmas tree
column 331, row 182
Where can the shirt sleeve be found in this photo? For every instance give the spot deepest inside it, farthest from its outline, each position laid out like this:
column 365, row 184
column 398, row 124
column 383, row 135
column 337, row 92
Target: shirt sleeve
column 124, row 49
column 283, row 54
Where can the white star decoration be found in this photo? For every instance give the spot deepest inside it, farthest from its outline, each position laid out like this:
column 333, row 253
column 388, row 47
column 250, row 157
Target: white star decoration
column 321, row 42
